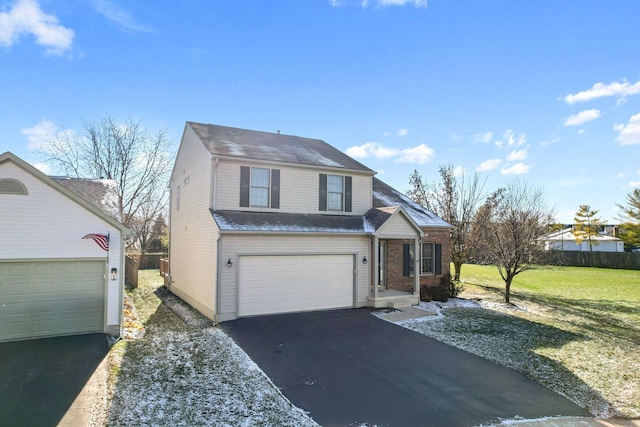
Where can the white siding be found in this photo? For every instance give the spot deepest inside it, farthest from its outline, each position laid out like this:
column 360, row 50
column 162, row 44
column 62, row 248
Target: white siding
column 232, row 246
column 46, row 224
column 298, row 189
column 571, row 245
column 397, row 226
column 193, row 230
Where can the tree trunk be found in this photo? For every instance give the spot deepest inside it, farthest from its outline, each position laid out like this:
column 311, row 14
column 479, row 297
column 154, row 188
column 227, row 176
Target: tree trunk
column 457, row 267
column 507, row 290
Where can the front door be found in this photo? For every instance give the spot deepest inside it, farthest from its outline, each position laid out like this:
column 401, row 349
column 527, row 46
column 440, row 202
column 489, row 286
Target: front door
column 382, row 265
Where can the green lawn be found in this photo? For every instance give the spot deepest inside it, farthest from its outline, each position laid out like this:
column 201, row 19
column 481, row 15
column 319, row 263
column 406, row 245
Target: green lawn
column 596, row 311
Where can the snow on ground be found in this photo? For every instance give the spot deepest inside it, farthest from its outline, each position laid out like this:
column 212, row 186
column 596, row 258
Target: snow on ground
column 195, row 375
column 486, row 329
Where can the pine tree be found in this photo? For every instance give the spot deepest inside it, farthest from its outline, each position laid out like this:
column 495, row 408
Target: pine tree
column 586, row 225
column 630, row 219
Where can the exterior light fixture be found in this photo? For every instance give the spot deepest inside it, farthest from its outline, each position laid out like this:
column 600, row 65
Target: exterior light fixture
column 364, row 260
column 114, row 274
column 229, row 263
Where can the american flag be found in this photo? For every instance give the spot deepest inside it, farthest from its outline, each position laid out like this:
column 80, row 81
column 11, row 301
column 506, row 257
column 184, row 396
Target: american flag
column 101, row 239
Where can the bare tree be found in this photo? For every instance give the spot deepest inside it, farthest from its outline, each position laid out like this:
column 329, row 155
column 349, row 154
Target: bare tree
column 509, row 226
column 139, row 162
column 455, row 200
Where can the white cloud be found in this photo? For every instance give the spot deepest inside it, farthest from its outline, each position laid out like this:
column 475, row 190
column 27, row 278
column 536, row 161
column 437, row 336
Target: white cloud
column 116, row 14
column 634, row 184
column 600, row 90
column 488, row 165
column 39, row 135
column 43, row 167
column 26, row 17
column 517, row 169
column 582, row 117
column 511, row 139
column 420, row 154
column 403, row 132
column 43, row 132
column 484, row 138
column 371, row 149
column 459, row 171
column 517, row 155
column 629, row 133
column 417, row 3
column 582, row 131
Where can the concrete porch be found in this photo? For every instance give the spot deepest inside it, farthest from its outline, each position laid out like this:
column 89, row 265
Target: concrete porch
column 390, row 298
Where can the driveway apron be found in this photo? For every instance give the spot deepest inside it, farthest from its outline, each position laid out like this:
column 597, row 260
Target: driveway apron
column 347, row 367
column 41, row 378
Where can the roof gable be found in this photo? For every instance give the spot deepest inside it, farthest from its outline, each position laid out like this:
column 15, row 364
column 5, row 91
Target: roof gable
column 385, row 196
column 250, row 144
column 10, row 157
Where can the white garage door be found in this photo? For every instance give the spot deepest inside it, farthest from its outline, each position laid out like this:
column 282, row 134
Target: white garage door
column 284, row 284
column 40, row 299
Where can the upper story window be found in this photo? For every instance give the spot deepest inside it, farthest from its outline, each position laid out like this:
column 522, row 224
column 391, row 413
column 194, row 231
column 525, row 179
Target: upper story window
column 259, row 187
column 335, row 193
column 12, row 186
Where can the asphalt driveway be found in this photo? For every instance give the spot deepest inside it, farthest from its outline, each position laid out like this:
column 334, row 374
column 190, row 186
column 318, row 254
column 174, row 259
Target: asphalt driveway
column 41, row 378
column 347, row 367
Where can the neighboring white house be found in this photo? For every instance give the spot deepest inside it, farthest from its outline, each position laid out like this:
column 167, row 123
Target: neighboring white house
column 565, row 240
column 264, row 223
column 52, row 281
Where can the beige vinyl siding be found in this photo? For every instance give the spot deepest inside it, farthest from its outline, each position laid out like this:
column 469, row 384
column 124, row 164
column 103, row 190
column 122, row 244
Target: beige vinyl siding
column 397, row 226
column 48, row 225
column 193, row 243
column 298, row 189
column 233, row 246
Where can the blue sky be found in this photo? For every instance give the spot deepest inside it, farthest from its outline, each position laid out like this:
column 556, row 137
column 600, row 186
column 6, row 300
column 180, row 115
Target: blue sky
column 543, row 91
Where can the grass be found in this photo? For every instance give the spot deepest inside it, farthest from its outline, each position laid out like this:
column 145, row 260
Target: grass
column 578, row 329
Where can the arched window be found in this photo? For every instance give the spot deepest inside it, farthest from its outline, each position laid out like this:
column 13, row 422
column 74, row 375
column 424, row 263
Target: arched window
column 12, row 186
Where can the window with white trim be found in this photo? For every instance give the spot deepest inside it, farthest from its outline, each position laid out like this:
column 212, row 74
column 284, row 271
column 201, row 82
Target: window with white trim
column 260, row 185
column 335, row 192
column 427, row 258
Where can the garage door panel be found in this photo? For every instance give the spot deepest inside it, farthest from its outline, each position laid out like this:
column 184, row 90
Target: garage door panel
column 51, row 298
column 283, row 284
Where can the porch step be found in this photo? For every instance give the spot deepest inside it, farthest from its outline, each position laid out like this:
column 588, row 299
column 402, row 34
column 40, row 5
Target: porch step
column 394, row 301
column 399, row 303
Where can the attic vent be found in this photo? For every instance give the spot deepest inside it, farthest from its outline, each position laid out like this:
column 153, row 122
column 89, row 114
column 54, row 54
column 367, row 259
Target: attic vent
column 12, row 186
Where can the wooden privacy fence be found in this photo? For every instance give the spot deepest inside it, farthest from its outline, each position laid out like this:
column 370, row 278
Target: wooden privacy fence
column 148, row 261
column 619, row 260
column 131, row 271
column 164, row 270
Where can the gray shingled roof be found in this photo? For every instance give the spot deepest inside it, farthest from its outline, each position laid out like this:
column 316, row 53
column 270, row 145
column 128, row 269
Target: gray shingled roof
column 287, row 222
column 100, row 193
column 250, row 144
column 385, row 195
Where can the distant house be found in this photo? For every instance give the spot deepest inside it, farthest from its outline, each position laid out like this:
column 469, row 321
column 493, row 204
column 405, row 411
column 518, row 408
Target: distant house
column 264, row 223
column 53, row 280
column 565, row 240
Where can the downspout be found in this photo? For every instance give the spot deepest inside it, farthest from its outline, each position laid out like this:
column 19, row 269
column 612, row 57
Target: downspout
column 217, row 287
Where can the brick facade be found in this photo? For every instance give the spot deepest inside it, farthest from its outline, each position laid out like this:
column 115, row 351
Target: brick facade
column 395, row 278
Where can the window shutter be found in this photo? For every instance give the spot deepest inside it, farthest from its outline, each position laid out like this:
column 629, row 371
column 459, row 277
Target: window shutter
column 323, row 192
column 438, row 259
column 275, row 188
column 347, row 194
column 245, row 177
column 406, row 259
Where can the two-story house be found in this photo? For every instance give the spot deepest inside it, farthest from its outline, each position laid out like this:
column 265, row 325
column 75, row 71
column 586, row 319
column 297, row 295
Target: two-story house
column 264, row 223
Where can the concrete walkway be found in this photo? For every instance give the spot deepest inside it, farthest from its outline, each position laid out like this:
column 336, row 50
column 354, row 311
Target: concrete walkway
column 406, row 313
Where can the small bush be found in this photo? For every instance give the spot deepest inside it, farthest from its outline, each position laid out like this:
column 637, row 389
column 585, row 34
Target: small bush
column 434, row 293
column 453, row 286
